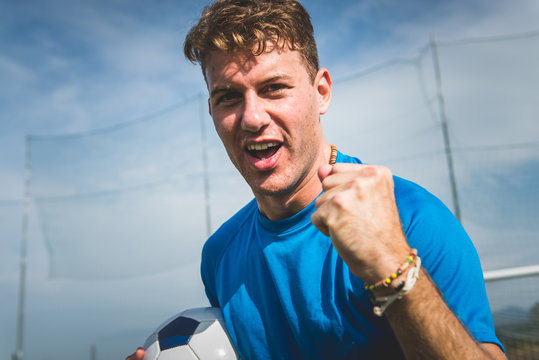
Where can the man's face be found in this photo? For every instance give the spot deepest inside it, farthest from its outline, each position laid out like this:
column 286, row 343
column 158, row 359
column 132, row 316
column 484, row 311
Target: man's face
column 266, row 111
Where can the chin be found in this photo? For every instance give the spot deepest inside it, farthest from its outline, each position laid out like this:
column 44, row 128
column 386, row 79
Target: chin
column 271, row 187
column 270, row 191
column 272, row 183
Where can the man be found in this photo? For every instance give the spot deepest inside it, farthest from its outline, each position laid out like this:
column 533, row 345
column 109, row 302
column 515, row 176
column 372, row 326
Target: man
column 294, row 271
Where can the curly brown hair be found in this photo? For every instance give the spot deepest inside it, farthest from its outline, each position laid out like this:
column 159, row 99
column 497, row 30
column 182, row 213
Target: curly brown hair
column 250, row 25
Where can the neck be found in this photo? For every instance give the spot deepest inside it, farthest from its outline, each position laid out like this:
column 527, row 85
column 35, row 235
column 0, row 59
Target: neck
column 281, row 206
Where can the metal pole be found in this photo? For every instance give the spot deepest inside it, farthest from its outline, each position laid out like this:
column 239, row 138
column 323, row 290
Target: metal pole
column 205, row 165
column 447, row 144
column 93, row 352
column 518, row 272
column 18, row 355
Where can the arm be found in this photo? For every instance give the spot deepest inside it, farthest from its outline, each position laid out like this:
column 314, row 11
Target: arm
column 373, row 245
column 426, row 328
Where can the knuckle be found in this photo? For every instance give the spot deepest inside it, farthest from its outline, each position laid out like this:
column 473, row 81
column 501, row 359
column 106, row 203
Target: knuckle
column 340, row 200
column 326, row 184
column 357, row 184
column 378, row 173
column 386, row 172
column 370, row 171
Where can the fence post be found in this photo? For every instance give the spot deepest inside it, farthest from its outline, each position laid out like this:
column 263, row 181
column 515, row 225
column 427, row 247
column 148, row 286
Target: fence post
column 443, row 117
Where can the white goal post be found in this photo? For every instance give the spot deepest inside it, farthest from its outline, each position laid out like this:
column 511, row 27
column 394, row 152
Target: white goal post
column 516, row 272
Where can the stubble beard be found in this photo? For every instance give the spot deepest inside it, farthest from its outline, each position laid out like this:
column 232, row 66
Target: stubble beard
column 285, row 183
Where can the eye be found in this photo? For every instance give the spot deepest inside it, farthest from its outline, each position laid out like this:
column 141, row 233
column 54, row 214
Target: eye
column 272, row 88
column 275, row 90
column 227, row 98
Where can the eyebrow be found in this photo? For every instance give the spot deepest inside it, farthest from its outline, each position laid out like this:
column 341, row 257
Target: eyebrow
column 275, row 78
column 218, row 89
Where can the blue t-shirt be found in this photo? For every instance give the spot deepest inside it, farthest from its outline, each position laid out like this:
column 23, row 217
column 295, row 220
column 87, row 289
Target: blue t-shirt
column 285, row 293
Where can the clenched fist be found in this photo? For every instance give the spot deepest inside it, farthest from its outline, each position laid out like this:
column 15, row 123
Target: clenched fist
column 358, row 211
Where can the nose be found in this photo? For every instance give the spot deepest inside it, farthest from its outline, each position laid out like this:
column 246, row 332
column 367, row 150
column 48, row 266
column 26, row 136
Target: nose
column 254, row 116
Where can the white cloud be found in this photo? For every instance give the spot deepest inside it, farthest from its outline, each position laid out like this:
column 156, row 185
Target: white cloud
column 14, row 72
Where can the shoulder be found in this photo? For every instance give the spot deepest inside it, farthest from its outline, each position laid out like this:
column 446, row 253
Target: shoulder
column 343, row 158
column 220, row 239
column 417, row 206
column 447, row 253
column 427, row 222
column 429, row 225
column 416, row 203
column 216, row 246
column 446, row 250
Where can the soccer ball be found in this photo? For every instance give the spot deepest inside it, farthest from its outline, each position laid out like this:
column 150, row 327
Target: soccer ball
column 197, row 333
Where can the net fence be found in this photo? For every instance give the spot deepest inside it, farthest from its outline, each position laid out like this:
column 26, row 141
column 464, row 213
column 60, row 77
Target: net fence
column 132, row 193
column 391, row 115
column 515, row 306
column 135, row 193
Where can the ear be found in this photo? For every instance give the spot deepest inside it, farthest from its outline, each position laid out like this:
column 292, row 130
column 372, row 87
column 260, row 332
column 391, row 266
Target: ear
column 323, row 86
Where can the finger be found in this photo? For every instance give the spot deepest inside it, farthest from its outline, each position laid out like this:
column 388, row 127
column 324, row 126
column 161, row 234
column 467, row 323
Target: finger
column 137, row 355
column 324, row 171
column 340, row 174
column 345, row 167
column 319, row 223
column 350, row 173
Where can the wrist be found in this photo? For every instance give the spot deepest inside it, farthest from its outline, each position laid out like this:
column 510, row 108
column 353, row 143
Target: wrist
column 393, row 279
column 396, row 286
column 379, row 266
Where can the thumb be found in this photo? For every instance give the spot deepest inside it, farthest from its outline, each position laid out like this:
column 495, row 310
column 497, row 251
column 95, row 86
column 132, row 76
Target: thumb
column 324, row 171
column 137, row 355
column 140, row 353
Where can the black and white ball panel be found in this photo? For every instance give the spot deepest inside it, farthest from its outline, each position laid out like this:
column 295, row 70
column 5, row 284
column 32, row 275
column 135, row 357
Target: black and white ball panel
column 193, row 334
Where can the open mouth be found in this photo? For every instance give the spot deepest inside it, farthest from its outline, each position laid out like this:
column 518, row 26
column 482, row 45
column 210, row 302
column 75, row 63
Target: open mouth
column 263, row 150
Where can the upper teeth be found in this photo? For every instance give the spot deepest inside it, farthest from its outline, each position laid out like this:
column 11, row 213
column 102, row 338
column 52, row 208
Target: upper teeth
column 261, row 146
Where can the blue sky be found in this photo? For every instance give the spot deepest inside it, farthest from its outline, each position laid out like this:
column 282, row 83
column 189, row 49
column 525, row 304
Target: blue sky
column 75, row 66
column 70, row 66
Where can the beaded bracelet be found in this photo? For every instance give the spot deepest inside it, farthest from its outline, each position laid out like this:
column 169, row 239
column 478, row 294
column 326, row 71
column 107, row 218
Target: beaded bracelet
column 387, row 281
column 382, row 302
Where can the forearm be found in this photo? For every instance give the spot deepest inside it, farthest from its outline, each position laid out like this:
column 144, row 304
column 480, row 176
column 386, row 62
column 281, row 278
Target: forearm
column 358, row 210
column 427, row 329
